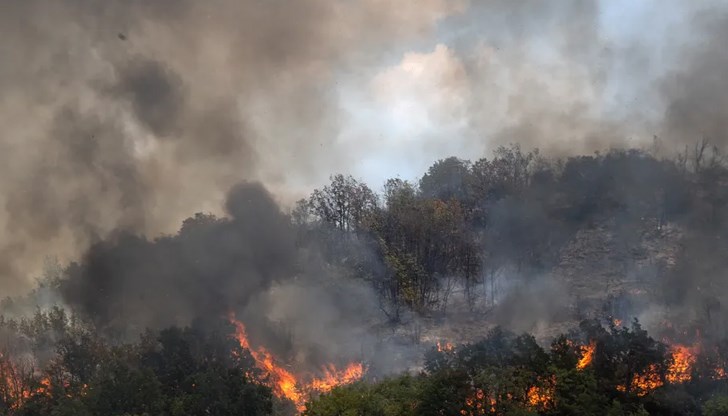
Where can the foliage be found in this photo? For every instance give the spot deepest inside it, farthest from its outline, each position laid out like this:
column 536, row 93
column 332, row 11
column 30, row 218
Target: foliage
column 177, row 371
column 501, row 374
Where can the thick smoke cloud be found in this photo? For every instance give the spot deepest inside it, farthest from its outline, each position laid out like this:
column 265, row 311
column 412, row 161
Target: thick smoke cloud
column 695, row 93
column 212, row 266
column 155, row 94
column 132, row 115
column 247, row 264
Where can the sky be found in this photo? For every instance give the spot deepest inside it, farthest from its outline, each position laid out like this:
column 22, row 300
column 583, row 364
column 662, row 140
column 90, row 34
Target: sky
column 407, row 113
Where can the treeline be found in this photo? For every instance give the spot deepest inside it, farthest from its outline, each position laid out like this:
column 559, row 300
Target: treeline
column 626, row 373
column 466, row 222
column 52, row 365
column 596, row 369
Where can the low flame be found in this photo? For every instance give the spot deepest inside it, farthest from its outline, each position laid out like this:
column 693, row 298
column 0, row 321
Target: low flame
column 284, row 383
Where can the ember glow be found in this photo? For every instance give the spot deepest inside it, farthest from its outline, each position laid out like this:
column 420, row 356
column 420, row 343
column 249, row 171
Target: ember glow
column 15, row 390
column 17, row 385
column 296, row 388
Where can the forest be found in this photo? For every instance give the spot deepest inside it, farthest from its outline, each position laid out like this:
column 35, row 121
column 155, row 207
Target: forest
column 142, row 326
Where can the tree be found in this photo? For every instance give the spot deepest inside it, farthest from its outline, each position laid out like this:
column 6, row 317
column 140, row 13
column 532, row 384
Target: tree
column 344, row 203
column 446, row 179
column 716, row 406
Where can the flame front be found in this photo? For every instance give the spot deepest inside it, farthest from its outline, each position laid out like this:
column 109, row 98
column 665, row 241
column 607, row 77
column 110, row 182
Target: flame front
column 284, row 383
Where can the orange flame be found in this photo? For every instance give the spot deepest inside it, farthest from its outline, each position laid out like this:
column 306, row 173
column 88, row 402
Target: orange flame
column 447, row 346
column 284, row 383
column 681, row 365
column 541, row 397
column 641, row 384
column 587, row 354
column 679, row 371
column 15, row 389
column 334, row 377
column 538, row 397
column 478, row 404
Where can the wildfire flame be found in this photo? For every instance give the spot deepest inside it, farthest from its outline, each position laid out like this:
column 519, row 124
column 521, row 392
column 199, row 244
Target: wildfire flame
column 447, row 346
column 334, row 377
column 587, row 354
column 282, row 381
column 681, row 366
column 287, row 385
column 644, row 383
column 16, row 386
column 478, row 404
column 539, row 397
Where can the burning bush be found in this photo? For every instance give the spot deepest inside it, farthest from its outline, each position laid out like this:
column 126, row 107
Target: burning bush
column 595, row 370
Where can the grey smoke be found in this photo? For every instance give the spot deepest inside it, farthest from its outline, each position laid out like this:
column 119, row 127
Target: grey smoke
column 110, row 141
column 127, row 283
column 156, row 95
column 131, row 115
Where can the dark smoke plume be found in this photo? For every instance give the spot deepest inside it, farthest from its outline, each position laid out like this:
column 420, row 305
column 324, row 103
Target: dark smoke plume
column 212, row 266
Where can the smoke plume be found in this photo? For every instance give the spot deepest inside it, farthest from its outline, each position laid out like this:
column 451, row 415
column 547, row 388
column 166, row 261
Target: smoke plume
column 121, row 118
column 131, row 115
